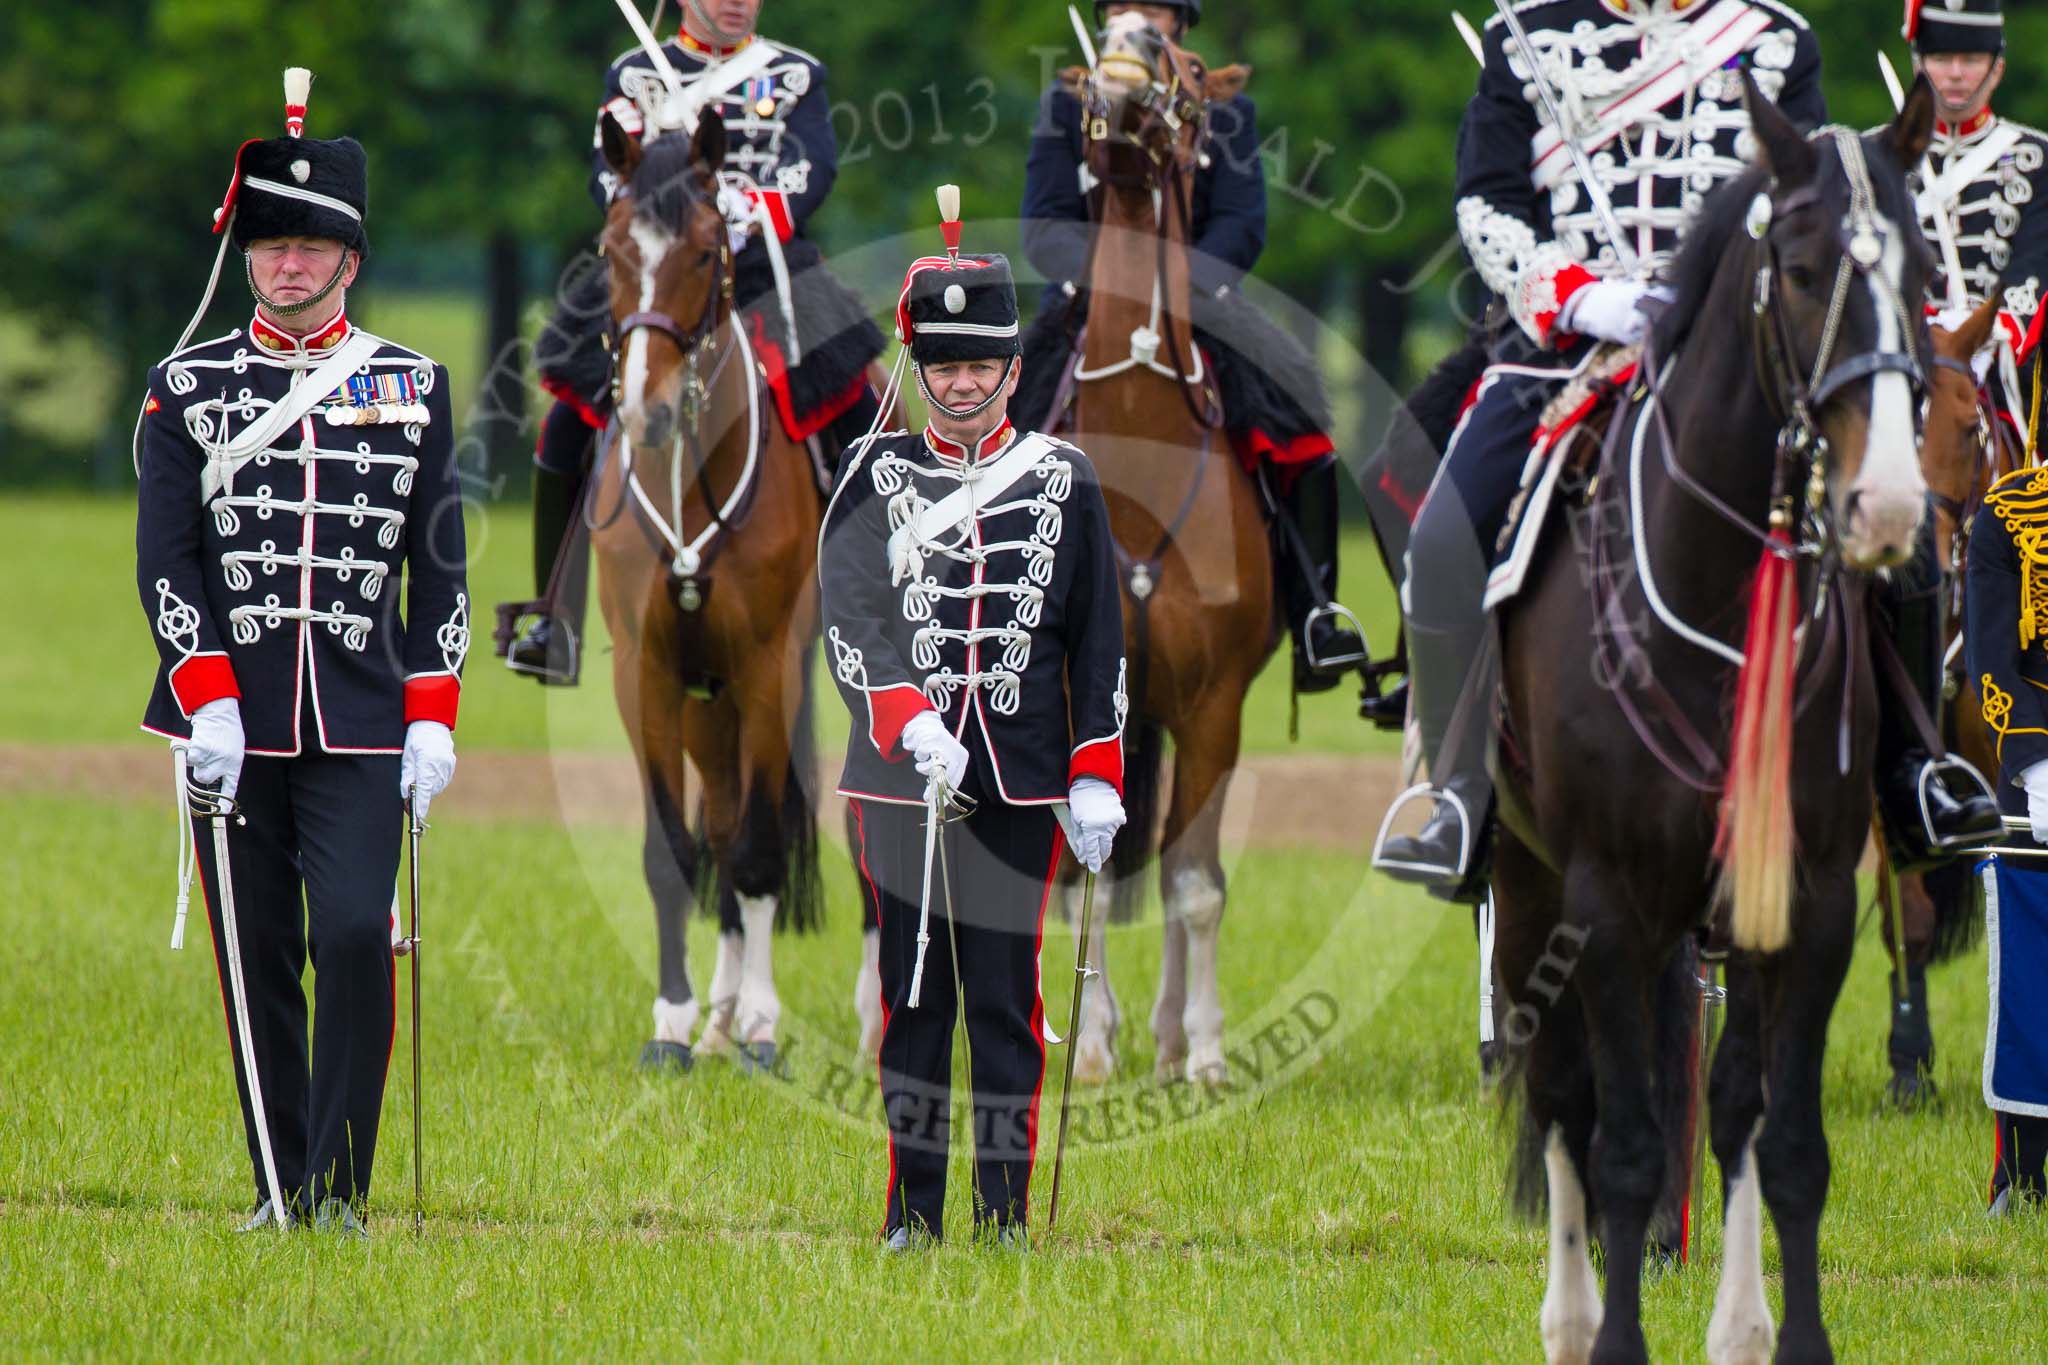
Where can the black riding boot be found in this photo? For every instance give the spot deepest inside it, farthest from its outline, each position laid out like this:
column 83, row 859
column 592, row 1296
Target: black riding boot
column 1959, row 812
column 1449, row 855
column 1325, row 644
column 551, row 647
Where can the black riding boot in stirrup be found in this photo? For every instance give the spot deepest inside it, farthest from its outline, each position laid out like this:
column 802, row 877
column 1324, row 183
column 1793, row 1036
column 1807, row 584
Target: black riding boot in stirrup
column 1934, row 806
column 551, row 647
column 1449, row 855
column 1327, row 642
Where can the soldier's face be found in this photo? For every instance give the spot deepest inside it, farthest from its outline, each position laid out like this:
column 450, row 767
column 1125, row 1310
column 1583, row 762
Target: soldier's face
column 728, row 20
column 1963, row 82
column 292, row 269
column 961, row 385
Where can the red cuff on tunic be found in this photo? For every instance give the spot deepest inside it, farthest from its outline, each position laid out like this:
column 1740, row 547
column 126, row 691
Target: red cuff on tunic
column 202, row 678
column 1564, row 283
column 888, row 712
column 433, row 698
column 1099, row 758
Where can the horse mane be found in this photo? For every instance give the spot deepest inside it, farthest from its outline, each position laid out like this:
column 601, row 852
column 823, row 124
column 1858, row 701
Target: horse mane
column 1725, row 212
column 667, row 182
column 1699, row 256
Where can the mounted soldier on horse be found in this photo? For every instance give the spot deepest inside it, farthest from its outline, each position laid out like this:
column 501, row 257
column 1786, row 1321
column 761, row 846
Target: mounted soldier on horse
column 1272, row 406
column 810, row 332
column 1574, row 228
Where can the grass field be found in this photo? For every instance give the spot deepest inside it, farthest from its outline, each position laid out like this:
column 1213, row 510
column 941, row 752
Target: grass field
column 1346, row 1206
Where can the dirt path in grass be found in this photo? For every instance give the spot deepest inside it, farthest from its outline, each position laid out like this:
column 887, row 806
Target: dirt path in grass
column 1317, row 801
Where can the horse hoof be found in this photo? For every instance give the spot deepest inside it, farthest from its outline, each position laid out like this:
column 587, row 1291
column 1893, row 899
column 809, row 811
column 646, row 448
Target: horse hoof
column 661, row 1056
column 1169, row 1067
column 757, row 1058
column 1206, row 1066
column 1094, row 1065
column 1912, row 1092
column 714, row 1041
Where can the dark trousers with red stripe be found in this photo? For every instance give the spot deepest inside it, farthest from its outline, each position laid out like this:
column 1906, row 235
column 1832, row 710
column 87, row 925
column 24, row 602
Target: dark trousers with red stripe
column 1001, row 859
column 314, row 866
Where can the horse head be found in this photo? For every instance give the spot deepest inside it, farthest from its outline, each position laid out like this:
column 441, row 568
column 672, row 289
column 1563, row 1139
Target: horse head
column 671, row 270
column 1145, row 105
column 1956, row 430
column 1841, row 268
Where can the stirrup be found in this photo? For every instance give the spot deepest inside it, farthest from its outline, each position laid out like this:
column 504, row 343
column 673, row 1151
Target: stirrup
column 1321, row 664
column 1949, row 770
column 1458, row 874
column 511, row 615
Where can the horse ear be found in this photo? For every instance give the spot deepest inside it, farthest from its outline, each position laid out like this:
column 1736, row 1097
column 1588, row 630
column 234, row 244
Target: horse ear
column 621, row 148
column 1227, row 84
column 1976, row 328
column 1913, row 129
column 707, row 149
column 1781, row 147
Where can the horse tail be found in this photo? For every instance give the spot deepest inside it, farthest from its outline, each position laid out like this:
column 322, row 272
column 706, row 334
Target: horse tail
column 801, row 907
column 1754, row 842
column 1958, row 896
column 1144, row 761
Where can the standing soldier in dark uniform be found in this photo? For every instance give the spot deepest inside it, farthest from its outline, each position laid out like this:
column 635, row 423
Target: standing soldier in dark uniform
column 1273, row 406
column 297, row 488
column 2006, row 633
column 1981, row 208
column 971, row 609
column 1667, row 82
column 780, row 164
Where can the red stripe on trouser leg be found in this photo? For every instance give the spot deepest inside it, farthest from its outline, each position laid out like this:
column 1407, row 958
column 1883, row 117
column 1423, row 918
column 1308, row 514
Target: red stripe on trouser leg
column 1059, row 847
column 860, row 828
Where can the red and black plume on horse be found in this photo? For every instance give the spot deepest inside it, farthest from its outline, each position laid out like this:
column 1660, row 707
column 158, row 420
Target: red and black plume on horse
column 1955, row 26
column 295, row 186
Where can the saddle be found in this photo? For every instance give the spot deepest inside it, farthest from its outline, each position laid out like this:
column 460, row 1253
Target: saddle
column 1565, row 451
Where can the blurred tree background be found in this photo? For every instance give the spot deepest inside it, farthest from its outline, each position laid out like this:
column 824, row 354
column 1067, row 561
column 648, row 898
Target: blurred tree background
column 118, row 124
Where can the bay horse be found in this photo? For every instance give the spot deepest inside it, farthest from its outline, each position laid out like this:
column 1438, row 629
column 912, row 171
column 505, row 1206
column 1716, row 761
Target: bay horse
column 705, row 521
column 1933, row 917
column 1199, row 616
column 1757, row 477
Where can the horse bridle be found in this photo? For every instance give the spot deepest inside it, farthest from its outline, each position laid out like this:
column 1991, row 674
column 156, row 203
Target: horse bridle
column 1796, row 398
column 1171, row 108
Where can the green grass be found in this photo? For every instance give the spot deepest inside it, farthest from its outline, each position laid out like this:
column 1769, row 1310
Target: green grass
column 87, row 674
column 578, row 1208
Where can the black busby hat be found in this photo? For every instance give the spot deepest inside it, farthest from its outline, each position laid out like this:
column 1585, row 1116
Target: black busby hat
column 296, row 186
column 956, row 307
column 1955, row 26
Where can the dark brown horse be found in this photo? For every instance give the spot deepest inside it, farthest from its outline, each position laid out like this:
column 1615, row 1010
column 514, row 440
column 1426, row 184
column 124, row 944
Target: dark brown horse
column 1198, row 603
column 707, row 519
column 1931, row 917
column 1771, row 463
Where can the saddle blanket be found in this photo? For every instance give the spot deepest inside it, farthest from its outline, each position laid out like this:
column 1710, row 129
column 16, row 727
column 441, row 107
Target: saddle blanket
column 2016, row 937
column 1590, row 389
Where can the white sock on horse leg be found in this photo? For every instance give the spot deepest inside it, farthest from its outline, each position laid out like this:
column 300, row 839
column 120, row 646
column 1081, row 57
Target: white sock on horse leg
column 760, row 1009
column 867, row 992
column 1196, row 900
column 674, row 1021
column 1741, row 1331
column 1571, row 1301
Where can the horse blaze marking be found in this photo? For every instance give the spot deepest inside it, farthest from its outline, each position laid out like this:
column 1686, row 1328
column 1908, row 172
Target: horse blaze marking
column 653, row 244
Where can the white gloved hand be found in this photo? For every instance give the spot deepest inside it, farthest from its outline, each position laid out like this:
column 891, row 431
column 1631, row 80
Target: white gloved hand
column 1098, row 814
column 1607, row 309
column 428, row 763
column 940, row 757
column 2035, row 780
column 218, row 747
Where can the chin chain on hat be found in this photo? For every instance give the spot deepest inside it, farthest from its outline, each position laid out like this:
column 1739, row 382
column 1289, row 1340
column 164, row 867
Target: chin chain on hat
column 956, row 302
column 298, row 86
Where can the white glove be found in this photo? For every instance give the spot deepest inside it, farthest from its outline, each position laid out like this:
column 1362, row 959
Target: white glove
column 1098, row 814
column 428, row 764
column 2035, row 780
column 217, row 748
column 1607, row 309
column 940, row 757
